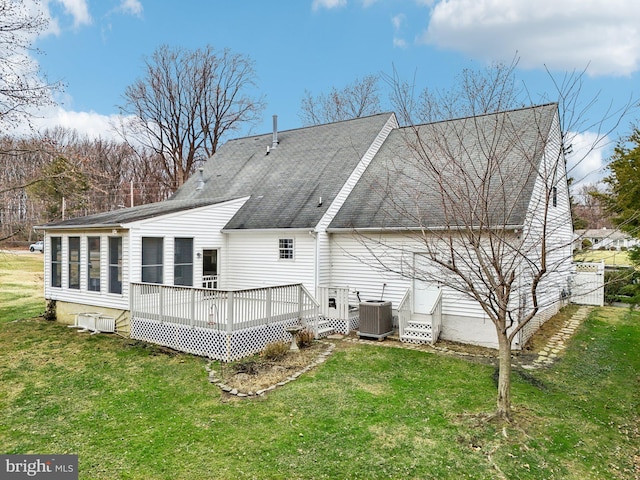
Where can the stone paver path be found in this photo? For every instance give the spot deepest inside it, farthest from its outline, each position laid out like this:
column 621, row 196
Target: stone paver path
column 557, row 343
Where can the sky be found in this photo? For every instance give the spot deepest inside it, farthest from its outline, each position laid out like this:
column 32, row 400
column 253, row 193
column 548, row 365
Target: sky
column 97, row 48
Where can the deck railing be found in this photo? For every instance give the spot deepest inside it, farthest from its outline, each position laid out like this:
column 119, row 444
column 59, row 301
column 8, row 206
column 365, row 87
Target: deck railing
column 223, row 310
column 404, row 311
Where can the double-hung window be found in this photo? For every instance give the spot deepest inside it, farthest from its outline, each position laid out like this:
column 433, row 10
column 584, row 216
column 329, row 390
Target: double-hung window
column 152, row 259
column 285, row 246
column 183, row 262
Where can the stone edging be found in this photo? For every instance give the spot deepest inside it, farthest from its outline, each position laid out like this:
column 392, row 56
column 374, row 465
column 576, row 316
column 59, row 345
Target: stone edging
column 213, row 377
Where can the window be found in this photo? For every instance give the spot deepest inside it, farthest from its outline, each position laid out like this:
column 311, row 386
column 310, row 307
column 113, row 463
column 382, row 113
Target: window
column 74, row 263
column 56, row 261
column 554, row 196
column 115, row 264
column 183, row 262
column 152, row 259
column 93, row 265
column 286, row 248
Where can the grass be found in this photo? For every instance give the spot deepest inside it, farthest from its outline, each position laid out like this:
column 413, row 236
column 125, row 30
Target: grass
column 610, row 257
column 133, row 411
column 21, row 277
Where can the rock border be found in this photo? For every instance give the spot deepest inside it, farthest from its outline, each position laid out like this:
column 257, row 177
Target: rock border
column 213, row 377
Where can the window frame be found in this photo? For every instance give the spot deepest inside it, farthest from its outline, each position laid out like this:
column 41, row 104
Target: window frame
column 73, row 262
column 179, row 265
column 56, row 261
column 115, row 267
column 152, row 271
column 286, row 249
column 93, row 270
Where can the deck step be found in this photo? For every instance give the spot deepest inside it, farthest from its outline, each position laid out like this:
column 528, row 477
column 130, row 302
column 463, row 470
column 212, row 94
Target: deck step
column 415, row 338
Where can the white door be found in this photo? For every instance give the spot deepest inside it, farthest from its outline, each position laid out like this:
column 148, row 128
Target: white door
column 425, row 292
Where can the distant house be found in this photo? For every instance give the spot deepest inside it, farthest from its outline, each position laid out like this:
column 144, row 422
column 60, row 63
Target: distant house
column 604, row 238
column 266, row 235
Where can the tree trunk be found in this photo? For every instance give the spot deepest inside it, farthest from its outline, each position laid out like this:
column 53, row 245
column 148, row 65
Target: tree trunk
column 504, row 377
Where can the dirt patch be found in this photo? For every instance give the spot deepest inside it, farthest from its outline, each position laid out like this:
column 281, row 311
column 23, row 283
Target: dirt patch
column 257, row 373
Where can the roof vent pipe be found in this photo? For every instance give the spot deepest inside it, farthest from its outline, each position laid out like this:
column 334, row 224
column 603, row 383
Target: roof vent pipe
column 275, row 132
column 200, row 179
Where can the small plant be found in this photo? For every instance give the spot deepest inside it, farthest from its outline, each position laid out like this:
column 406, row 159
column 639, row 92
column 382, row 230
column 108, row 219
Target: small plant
column 50, row 312
column 276, row 350
column 305, row 338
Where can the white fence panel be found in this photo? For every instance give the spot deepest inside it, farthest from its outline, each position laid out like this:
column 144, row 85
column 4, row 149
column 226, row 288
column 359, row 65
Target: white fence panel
column 588, row 284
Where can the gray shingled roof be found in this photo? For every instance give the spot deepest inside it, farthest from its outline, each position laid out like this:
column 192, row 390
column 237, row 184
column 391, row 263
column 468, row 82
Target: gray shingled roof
column 118, row 218
column 436, row 175
column 286, row 185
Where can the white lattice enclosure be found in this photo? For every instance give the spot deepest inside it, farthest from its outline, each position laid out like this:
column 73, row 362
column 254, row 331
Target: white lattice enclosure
column 339, row 307
column 225, row 325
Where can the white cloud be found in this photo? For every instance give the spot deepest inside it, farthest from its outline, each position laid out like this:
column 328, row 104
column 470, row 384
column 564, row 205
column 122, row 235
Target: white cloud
column 398, row 21
column 91, row 124
column 563, row 35
column 133, row 7
column 79, row 10
column 328, row 4
column 587, row 162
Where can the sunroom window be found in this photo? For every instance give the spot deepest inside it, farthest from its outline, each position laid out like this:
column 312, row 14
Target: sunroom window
column 152, row 259
column 93, row 265
column 115, row 265
column 56, row 261
column 74, row 263
column 183, row 262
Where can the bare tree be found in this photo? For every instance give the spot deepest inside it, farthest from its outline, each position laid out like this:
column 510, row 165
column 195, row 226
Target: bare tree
column 485, row 201
column 186, row 102
column 21, row 86
column 359, row 99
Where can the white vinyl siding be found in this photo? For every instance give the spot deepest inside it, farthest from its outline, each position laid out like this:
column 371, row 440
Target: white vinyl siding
column 354, row 266
column 252, row 259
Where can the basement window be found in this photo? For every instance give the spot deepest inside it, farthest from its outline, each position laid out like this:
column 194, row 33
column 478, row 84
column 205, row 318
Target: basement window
column 286, row 248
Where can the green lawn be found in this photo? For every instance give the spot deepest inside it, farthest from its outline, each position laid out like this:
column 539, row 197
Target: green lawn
column 610, row 257
column 131, row 412
column 21, row 286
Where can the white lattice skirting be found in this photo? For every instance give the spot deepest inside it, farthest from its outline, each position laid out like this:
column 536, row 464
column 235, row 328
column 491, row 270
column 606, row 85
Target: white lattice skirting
column 344, row 326
column 215, row 344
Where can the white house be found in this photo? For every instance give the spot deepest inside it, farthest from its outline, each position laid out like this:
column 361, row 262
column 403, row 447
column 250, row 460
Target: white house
column 604, row 238
column 278, row 220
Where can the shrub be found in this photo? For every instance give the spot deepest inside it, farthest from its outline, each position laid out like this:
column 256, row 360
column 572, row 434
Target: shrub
column 619, row 284
column 305, row 338
column 586, row 244
column 276, row 350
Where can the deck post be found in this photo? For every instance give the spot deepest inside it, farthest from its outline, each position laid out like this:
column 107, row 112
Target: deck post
column 230, row 312
column 193, row 307
column 269, row 290
column 161, row 297
column 300, row 303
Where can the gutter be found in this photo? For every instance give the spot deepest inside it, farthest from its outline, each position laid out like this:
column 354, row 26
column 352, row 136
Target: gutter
column 418, row 229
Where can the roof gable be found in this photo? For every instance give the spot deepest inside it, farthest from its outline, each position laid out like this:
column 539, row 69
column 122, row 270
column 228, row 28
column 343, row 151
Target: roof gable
column 441, row 174
column 291, row 185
